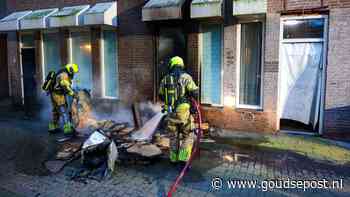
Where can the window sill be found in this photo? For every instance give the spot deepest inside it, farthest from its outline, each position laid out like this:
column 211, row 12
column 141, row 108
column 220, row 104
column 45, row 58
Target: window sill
column 249, row 108
column 212, row 105
column 105, row 99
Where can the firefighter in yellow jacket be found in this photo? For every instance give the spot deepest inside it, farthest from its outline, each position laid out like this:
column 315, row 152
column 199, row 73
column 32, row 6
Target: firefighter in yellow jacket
column 61, row 88
column 175, row 90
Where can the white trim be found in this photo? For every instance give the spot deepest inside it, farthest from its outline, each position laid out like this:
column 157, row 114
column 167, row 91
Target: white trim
column 238, row 65
column 242, row 106
column 222, row 29
column 69, row 45
column 42, row 56
column 300, row 40
column 70, row 49
column 324, row 76
column 21, row 65
column 43, row 32
column 102, row 75
column 323, row 40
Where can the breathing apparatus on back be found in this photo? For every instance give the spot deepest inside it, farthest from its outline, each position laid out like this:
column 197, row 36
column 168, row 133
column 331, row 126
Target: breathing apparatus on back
column 172, row 88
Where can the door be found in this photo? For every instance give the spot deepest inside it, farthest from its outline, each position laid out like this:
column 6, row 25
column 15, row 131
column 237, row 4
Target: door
column 302, row 56
column 171, row 42
column 30, row 85
column 4, row 83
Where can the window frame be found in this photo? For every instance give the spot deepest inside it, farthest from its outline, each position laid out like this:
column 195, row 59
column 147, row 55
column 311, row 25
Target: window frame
column 323, row 40
column 298, row 40
column 102, row 56
column 46, row 31
column 19, row 50
column 200, row 47
column 70, row 50
column 238, row 66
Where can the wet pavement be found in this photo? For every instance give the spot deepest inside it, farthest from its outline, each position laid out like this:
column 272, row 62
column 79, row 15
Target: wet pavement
column 25, row 145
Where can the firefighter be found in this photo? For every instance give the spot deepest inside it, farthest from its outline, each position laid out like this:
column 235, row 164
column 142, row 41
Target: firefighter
column 176, row 88
column 59, row 93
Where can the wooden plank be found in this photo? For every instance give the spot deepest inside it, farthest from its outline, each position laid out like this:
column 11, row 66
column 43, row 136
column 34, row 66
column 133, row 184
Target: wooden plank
column 137, row 116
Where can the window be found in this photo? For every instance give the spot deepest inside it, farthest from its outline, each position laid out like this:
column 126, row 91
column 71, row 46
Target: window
column 27, row 40
column 303, row 28
column 211, row 64
column 171, row 42
column 110, row 64
column 52, row 57
column 81, row 55
column 249, row 66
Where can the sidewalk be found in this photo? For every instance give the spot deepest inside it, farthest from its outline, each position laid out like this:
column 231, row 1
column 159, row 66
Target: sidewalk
column 233, row 156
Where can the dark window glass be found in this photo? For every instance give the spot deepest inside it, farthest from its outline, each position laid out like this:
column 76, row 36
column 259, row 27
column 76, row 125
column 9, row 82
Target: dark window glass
column 250, row 68
column 303, row 28
column 172, row 42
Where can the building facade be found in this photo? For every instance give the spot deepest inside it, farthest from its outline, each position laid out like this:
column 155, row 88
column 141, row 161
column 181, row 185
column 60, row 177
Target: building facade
column 4, row 87
column 262, row 65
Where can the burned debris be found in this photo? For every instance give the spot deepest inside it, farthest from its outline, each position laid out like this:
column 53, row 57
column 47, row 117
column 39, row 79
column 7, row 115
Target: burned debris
column 100, row 144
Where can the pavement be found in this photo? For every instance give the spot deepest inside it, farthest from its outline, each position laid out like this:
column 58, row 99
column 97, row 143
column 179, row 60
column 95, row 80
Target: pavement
column 227, row 163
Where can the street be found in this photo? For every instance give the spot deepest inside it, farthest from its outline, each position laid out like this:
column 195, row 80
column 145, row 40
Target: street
column 25, row 145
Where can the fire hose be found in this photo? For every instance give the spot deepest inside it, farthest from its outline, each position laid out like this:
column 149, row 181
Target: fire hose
column 195, row 149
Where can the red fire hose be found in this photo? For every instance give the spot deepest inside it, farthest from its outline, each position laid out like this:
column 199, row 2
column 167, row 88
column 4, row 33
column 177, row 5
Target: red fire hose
column 195, row 149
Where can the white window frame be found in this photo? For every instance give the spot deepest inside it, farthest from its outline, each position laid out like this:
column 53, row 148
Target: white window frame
column 70, row 50
column 70, row 41
column 238, row 66
column 323, row 40
column 20, row 45
column 103, row 63
column 201, row 57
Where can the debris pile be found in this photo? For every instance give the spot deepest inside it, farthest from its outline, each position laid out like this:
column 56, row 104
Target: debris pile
column 103, row 142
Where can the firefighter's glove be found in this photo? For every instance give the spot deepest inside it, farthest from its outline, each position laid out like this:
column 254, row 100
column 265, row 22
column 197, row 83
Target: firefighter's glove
column 71, row 93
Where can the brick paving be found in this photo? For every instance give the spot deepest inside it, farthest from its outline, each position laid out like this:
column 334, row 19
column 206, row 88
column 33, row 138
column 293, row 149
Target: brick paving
column 154, row 180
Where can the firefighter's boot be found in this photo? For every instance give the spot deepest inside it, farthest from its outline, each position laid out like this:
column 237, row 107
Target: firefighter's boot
column 53, row 128
column 68, row 129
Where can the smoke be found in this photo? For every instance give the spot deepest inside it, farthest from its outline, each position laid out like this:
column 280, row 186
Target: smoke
column 101, row 109
column 148, row 110
column 116, row 110
column 45, row 109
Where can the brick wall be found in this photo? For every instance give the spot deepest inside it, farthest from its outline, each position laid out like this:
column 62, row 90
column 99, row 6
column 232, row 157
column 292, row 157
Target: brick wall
column 279, row 5
column 14, row 68
column 244, row 119
column 136, row 52
column 337, row 116
column 135, row 49
column 4, row 85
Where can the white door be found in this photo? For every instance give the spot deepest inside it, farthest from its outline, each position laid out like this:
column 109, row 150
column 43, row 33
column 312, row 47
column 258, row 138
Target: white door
column 302, row 55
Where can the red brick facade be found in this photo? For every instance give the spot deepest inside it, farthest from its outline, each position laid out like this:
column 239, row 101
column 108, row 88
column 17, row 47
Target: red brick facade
column 137, row 58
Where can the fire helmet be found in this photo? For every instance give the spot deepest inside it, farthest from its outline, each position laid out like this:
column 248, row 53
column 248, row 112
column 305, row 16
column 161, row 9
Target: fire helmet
column 72, row 68
column 176, row 62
